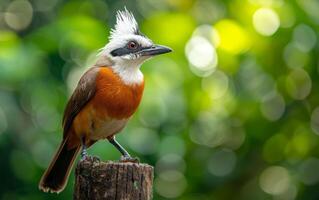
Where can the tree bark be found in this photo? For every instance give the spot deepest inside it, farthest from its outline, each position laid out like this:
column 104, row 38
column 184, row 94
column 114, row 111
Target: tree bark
column 112, row 180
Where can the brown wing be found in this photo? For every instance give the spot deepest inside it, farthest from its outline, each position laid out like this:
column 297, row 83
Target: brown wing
column 81, row 95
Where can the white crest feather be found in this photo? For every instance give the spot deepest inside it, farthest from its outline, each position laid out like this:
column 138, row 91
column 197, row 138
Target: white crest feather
column 125, row 24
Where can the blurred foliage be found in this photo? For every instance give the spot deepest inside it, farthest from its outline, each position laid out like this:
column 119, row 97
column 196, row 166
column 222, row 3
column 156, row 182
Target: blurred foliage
column 232, row 113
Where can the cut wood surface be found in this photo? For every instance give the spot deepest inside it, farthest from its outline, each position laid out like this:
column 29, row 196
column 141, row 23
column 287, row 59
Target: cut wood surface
column 95, row 179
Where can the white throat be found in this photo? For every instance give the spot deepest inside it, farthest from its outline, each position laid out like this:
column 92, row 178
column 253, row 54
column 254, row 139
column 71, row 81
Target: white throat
column 129, row 72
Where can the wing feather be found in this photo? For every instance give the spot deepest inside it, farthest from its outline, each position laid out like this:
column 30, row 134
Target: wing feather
column 84, row 91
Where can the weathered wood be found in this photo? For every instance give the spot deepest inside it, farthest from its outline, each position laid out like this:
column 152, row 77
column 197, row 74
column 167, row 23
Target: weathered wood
column 112, row 180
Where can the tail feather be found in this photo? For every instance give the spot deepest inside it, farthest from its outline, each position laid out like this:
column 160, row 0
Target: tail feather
column 55, row 177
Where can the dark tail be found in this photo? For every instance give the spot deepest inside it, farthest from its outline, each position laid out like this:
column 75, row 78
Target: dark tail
column 55, row 177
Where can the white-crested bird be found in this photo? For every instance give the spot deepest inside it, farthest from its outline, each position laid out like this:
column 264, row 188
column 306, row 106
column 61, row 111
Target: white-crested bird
column 106, row 96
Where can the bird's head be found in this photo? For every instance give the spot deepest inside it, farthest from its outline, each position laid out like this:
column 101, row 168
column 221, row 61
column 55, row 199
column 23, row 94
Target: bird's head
column 127, row 45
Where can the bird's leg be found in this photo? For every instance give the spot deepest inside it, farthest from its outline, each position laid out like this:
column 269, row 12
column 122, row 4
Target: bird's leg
column 84, row 153
column 119, row 147
column 126, row 157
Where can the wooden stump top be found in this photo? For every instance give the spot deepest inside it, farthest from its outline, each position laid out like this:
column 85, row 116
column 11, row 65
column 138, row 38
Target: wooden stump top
column 113, row 180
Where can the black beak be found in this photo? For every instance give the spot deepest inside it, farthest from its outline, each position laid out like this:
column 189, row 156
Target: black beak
column 155, row 50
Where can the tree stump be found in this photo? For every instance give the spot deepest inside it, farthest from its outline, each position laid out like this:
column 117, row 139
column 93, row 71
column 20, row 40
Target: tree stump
column 112, row 180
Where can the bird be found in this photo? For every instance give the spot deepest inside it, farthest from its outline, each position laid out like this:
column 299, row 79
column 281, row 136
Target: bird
column 104, row 100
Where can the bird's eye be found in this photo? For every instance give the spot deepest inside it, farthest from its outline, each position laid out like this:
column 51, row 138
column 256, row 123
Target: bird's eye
column 132, row 45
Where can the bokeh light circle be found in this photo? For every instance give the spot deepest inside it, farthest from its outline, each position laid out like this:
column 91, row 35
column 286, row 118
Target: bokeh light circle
column 202, row 55
column 294, row 56
column 170, row 184
column 19, row 14
column 222, row 162
column 266, row 21
column 272, row 106
column 298, row 84
column 170, row 162
column 199, row 52
column 208, row 130
column 275, row 180
column 304, row 37
column 216, row 85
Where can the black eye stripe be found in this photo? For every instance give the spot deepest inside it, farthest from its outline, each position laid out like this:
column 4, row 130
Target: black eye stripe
column 125, row 50
column 121, row 51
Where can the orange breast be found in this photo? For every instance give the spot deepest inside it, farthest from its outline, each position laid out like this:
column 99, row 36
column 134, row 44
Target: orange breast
column 113, row 98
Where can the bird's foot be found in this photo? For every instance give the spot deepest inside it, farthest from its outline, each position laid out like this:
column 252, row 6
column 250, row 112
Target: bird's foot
column 86, row 156
column 129, row 159
column 91, row 158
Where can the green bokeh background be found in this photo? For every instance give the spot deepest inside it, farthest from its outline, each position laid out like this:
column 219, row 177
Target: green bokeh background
column 230, row 114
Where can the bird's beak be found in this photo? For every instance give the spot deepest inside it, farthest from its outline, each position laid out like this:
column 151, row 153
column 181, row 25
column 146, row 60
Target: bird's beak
column 155, row 50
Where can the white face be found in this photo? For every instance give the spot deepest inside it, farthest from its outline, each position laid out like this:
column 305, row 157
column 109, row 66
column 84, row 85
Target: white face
column 127, row 44
column 126, row 40
column 129, row 48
